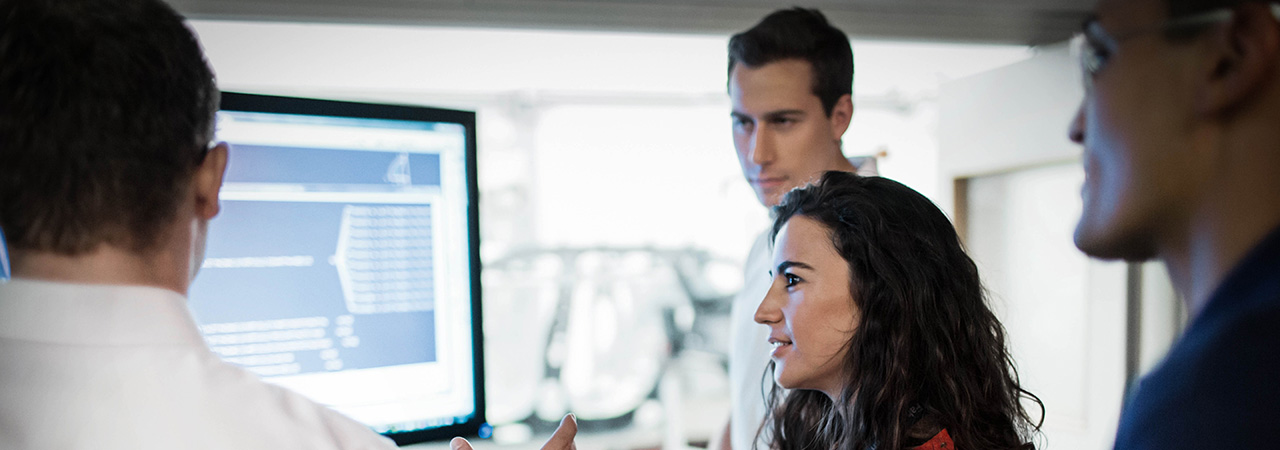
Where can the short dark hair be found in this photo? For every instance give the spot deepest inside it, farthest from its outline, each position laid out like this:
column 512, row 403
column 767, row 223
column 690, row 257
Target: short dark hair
column 1180, row 8
column 1183, row 8
column 106, row 109
column 803, row 34
column 926, row 338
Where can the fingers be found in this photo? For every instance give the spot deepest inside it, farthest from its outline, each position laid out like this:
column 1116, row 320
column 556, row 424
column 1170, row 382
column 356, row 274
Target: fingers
column 562, row 439
column 459, row 444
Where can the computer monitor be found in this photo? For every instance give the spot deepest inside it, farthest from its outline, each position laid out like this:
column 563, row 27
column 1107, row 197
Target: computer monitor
column 4, row 259
column 344, row 263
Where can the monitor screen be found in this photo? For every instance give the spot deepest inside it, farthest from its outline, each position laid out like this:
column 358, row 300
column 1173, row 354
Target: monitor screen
column 344, row 262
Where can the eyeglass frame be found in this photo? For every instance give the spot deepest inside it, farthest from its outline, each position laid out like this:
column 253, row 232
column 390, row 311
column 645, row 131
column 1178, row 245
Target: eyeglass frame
column 1088, row 44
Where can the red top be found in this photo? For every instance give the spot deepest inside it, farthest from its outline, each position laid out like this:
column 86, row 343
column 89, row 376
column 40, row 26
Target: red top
column 940, row 441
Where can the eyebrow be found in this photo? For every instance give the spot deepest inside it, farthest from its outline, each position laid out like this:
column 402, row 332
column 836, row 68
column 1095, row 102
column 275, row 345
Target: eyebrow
column 789, row 264
column 1088, row 20
column 768, row 115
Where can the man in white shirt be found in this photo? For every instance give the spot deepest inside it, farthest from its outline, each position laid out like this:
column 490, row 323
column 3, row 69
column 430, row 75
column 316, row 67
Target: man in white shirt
column 106, row 187
column 108, row 180
column 791, row 85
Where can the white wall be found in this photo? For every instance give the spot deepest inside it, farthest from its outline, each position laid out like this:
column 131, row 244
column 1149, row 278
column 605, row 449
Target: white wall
column 1065, row 314
column 634, row 125
column 1007, row 119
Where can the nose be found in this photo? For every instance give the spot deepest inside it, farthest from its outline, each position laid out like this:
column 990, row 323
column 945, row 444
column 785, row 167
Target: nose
column 1076, row 130
column 770, row 310
column 762, row 151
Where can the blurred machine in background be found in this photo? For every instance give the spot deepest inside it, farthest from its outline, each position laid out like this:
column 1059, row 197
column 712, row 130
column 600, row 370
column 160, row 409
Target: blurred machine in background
column 599, row 331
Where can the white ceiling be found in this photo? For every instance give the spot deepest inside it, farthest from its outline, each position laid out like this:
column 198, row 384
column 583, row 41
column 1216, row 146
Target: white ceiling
column 1026, row 22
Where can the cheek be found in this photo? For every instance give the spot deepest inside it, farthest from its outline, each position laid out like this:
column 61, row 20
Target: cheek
column 823, row 329
column 1137, row 126
column 741, row 146
column 1123, row 149
column 810, row 134
column 839, row 328
column 1107, row 150
column 1100, row 121
column 810, row 148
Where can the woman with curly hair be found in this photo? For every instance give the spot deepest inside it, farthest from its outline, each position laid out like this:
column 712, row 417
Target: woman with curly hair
column 882, row 334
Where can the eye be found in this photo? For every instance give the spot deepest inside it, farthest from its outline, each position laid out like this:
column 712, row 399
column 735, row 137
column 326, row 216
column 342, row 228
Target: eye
column 1097, row 58
column 791, row 279
column 742, row 122
column 782, row 121
column 1095, row 47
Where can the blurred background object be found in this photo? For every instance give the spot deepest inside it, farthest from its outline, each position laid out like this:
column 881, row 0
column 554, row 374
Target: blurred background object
column 594, row 331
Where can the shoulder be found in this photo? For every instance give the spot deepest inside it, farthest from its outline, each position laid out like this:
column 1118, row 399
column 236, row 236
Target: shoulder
column 266, row 413
column 1215, row 389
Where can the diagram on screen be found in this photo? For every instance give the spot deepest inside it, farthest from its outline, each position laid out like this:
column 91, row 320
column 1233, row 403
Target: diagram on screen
column 384, row 258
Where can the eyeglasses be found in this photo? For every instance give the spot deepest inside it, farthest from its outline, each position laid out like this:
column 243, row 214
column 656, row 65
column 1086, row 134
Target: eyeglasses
column 1094, row 46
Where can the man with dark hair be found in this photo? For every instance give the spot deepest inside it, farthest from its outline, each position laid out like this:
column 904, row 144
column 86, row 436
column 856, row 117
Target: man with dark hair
column 790, row 85
column 107, row 183
column 1182, row 163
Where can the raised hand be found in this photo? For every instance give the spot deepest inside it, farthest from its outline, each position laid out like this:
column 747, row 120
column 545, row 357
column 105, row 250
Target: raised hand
column 562, row 439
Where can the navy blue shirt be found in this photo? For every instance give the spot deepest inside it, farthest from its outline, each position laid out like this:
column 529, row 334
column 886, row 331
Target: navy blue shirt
column 1219, row 386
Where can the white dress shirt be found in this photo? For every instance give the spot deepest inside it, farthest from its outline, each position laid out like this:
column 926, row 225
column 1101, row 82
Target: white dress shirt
column 749, row 351
column 124, row 367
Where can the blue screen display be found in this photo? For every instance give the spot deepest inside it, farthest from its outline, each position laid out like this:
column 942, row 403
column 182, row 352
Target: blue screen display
column 340, row 264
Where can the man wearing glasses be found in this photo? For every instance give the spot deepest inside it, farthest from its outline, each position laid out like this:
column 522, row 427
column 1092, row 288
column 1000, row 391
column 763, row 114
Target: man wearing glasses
column 1181, row 132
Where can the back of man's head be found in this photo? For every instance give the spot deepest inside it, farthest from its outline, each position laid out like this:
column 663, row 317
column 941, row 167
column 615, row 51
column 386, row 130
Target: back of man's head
column 106, row 108
column 803, row 34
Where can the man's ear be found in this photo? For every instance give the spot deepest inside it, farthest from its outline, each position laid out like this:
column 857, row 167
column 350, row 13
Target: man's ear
column 1244, row 56
column 841, row 114
column 207, row 181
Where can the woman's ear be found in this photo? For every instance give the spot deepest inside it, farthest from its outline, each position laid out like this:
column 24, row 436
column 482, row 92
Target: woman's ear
column 1243, row 58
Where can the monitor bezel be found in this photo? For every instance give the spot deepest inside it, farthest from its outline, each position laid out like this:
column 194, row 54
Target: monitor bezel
column 246, row 102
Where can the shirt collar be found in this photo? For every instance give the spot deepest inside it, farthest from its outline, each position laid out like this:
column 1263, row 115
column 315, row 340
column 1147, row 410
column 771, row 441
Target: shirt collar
column 94, row 314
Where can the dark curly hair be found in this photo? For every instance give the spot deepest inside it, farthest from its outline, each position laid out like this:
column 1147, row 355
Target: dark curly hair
column 927, row 344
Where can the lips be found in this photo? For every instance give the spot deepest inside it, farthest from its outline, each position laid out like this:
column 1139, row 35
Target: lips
column 769, row 182
column 780, row 345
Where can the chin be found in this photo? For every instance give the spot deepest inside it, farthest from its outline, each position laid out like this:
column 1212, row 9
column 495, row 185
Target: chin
column 771, row 199
column 1099, row 240
column 789, row 381
column 780, row 377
